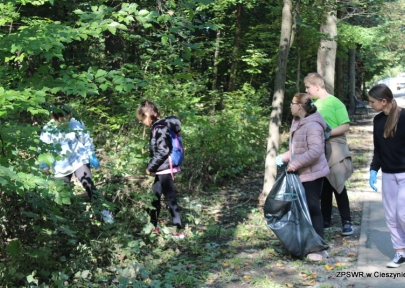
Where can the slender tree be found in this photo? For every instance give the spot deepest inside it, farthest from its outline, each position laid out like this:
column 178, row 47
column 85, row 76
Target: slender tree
column 216, row 60
column 236, row 46
column 277, row 105
column 352, row 79
column 327, row 51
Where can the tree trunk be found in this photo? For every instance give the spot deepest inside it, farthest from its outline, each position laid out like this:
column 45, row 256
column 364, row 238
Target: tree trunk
column 294, row 31
column 352, row 79
column 359, row 70
column 340, row 88
column 327, row 52
column 236, row 44
column 216, row 60
column 278, row 98
column 339, row 85
column 297, row 82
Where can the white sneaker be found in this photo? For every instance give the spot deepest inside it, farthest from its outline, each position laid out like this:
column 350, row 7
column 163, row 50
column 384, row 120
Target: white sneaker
column 179, row 236
column 318, row 256
column 398, row 260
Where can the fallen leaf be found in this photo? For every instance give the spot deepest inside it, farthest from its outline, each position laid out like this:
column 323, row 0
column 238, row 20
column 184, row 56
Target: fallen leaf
column 329, row 267
column 225, row 264
column 246, row 277
column 310, row 283
column 339, row 264
column 289, row 285
column 351, row 255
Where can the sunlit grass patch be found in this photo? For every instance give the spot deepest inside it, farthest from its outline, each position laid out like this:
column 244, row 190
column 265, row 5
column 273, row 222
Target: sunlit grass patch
column 264, row 281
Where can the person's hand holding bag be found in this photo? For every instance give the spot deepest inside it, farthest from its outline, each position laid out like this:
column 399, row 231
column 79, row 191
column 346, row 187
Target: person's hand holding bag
column 94, row 161
column 373, row 179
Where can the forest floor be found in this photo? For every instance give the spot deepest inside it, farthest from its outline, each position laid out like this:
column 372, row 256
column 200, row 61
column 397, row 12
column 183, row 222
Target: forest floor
column 252, row 256
column 228, row 243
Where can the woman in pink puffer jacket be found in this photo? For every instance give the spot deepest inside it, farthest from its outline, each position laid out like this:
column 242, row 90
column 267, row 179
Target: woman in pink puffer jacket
column 306, row 154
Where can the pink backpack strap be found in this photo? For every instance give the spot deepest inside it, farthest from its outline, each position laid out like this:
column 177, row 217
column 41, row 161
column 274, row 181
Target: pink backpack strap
column 154, row 129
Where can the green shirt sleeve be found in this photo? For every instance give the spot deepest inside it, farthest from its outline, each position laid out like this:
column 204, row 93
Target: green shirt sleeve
column 333, row 111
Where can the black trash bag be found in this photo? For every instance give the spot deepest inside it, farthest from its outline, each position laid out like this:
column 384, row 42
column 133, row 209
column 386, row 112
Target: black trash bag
column 287, row 215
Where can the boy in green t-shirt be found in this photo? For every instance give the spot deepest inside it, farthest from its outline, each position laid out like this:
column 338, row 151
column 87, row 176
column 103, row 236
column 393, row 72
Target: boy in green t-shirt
column 335, row 114
column 333, row 111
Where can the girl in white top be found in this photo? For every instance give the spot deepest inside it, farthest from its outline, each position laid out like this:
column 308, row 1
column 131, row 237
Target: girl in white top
column 73, row 143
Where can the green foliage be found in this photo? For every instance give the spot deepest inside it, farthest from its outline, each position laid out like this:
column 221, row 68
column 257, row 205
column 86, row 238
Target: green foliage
column 103, row 58
column 227, row 142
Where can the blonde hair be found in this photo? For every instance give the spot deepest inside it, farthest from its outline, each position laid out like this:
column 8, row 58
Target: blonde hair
column 315, row 79
column 380, row 92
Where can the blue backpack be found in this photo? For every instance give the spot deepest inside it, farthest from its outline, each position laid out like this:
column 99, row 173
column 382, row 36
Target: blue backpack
column 176, row 156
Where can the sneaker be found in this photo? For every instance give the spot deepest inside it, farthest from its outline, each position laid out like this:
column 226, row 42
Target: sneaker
column 318, row 256
column 347, row 229
column 179, row 236
column 398, row 260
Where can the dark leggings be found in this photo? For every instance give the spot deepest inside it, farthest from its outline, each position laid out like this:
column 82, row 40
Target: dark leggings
column 164, row 185
column 342, row 201
column 84, row 176
column 313, row 190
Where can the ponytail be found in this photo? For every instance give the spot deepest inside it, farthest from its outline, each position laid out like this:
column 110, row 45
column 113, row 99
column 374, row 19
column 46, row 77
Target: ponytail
column 390, row 128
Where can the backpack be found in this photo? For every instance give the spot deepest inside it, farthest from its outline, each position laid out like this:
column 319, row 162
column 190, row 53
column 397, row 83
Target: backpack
column 176, row 155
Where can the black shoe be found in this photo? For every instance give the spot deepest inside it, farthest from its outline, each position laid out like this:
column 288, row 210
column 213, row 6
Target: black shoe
column 347, row 229
column 326, row 225
column 398, row 260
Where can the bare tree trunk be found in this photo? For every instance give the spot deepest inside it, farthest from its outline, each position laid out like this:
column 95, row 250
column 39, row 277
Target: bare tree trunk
column 294, row 28
column 340, row 88
column 297, row 82
column 235, row 54
column 216, row 61
column 278, row 98
column 352, row 80
column 327, row 52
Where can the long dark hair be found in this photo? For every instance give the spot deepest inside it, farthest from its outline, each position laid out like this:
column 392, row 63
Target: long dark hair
column 380, row 92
